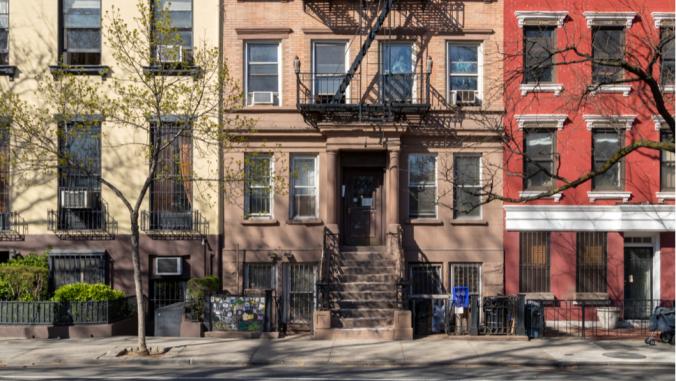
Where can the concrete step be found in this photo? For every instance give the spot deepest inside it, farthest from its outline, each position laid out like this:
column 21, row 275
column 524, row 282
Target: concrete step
column 361, row 304
column 367, row 269
column 363, row 249
column 373, row 333
column 362, row 322
column 367, row 313
column 364, row 286
column 363, row 256
column 364, row 295
column 377, row 278
column 375, row 262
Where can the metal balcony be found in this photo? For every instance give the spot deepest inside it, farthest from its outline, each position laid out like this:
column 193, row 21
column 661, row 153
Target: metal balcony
column 12, row 227
column 171, row 225
column 393, row 97
column 84, row 224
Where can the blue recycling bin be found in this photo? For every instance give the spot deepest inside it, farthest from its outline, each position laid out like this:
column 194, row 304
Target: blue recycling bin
column 460, row 295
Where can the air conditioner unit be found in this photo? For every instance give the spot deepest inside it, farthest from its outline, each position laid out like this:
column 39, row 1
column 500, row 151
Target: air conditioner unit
column 262, row 97
column 169, row 53
column 77, row 199
column 168, row 266
column 463, row 97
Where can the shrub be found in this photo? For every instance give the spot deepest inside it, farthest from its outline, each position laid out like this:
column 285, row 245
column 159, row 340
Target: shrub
column 198, row 289
column 23, row 282
column 86, row 292
column 32, row 259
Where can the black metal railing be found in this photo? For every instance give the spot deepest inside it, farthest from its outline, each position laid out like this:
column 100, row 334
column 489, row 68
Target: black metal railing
column 12, row 227
column 174, row 225
column 331, row 248
column 391, row 95
column 66, row 313
column 93, row 223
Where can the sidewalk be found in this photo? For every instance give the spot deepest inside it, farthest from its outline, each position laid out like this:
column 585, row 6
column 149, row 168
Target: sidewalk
column 303, row 351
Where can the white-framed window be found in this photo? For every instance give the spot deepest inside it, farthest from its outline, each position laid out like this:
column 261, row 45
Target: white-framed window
column 258, row 185
column 466, row 275
column 4, row 32
column 330, row 63
column 467, row 186
column 605, row 143
column 304, row 186
column 464, row 68
column 263, row 73
column 422, row 186
column 397, row 72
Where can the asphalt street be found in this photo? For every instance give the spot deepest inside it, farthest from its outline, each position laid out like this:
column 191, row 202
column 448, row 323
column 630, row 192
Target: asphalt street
column 125, row 372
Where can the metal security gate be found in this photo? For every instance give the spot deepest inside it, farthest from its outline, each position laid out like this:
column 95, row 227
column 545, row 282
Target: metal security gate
column 299, row 294
column 163, row 293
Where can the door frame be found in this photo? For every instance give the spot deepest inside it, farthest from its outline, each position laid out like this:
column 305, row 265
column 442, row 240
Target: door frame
column 655, row 246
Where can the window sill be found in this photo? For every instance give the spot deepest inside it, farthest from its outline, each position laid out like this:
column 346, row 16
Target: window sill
column 591, row 296
column 611, row 89
column 608, row 195
column 527, row 194
column 101, row 70
column 663, row 196
column 262, row 221
column 539, row 296
column 181, row 71
column 555, row 88
column 469, row 222
column 305, row 221
column 9, row 71
column 425, row 221
column 668, row 89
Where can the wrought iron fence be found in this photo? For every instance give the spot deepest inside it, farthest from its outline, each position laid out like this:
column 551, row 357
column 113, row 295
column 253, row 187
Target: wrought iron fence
column 85, row 223
column 174, row 225
column 331, row 249
column 66, row 313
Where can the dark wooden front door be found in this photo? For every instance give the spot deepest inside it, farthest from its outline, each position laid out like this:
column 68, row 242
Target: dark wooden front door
column 362, row 213
column 638, row 282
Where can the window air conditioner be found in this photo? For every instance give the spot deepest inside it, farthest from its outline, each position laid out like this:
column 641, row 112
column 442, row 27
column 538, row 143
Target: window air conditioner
column 463, row 97
column 169, row 53
column 168, row 266
column 262, row 97
column 77, row 199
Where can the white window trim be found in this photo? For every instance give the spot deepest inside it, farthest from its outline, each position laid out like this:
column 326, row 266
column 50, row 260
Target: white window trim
column 541, row 120
column 525, row 194
column 347, row 62
column 480, row 68
column 481, row 183
column 436, row 185
column 414, row 94
column 660, row 123
column 555, row 88
column 315, row 159
column 279, row 70
column 611, row 89
column 247, row 214
column 604, row 121
column 663, row 19
column 608, row 195
column 663, row 196
column 603, row 18
column 557, row 18
column 452, row 278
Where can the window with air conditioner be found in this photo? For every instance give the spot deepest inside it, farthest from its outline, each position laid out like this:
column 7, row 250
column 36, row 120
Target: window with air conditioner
column 262, row 73
column 81, row 31
column 168, row 266
column 173, row 32
column 464, row 73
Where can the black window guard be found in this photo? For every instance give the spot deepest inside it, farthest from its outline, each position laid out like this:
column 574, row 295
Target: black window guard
column 12, row 227
column 9, row 71
column 60, row 70
column 178, row 70
column 82, row 224
column 174, row 225
column 74, row 267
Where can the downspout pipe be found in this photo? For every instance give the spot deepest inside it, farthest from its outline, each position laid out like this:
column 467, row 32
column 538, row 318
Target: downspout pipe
column 221, row 145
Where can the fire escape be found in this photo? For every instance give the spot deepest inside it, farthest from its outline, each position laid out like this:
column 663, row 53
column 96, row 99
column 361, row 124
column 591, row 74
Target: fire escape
column 395, row 93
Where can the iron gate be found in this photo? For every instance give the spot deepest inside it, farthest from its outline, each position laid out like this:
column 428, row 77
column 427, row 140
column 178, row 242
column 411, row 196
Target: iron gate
column 164, row 292
column 299, row 293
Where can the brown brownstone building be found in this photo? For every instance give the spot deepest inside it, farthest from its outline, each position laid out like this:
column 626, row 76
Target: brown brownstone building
column 373, row 126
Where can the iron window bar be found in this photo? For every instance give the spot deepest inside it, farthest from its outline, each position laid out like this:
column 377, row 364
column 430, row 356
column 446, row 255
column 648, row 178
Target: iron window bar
column 12, row 227
column 93, row 223
column 73, row 267
column 168, row 225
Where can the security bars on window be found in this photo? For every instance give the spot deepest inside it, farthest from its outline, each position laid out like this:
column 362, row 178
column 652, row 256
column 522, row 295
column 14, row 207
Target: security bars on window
column 259, row 276
column 592, row 261
column 534, row 262
column 466, row 275
column 425, row 279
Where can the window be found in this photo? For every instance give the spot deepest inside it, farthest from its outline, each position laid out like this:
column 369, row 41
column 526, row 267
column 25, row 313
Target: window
column 4, row 175
column 79, row 196
column 426, row 279
column 466, row 275
column 4, row 32
column 304, row 186
column 422, row 186
column 605, row 144
column 262, row 73
column 539, row 47
column 668, row 53
column 591, row 262
column 68, row 268
column 608, row 52
column 539, row 159
column 534, row 262
column 259, row 276
column 398, row 74
column 464, row 82
column 171, row 189
column 173, row 23
column 81, row 44
column 329, row 69
column 667, row 165
column 258, row 185
column 467, row 186
column 299, row 295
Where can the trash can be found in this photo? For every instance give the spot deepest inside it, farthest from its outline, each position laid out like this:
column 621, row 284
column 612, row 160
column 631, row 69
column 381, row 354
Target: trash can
column 534, row 319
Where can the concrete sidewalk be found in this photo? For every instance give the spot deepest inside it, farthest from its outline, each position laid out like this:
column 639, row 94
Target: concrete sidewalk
column 303, row 351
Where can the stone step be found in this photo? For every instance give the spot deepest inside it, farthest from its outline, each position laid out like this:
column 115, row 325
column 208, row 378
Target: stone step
column 361, row 304
column 363, row 249
column 363, row 256
column 367, row 269
column 375, row 262
column 378, row 278
column 364, row 295
column 362, row 322
column 369, row 313
column 372, row 333
column 363, row 286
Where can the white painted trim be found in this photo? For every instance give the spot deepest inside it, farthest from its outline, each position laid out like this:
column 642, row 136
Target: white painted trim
column 655, row 246
column 542, row 17
column 659, row 122
column 668, row 88
column 648, row 218
column 280, row 83
column 525, row 194
column 661, row 196
column 602, row 18
column 292, row 183
column 555, row 88
column 661, row 17
column 536, row 120
column 436, row 183
column 480, row 68
column 612, row 89
column 608, row 195
column 602, row 121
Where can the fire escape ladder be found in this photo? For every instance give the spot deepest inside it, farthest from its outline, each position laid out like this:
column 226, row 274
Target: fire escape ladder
column 387, row 7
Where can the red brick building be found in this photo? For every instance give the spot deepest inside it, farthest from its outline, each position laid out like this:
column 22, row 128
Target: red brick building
column 610, row 238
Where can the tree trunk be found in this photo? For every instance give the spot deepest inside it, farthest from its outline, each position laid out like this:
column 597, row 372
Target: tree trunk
column 138, row 285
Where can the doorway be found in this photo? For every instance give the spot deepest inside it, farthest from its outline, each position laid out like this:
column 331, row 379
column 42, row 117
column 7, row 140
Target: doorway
column 638, row 282
column 363, row 206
